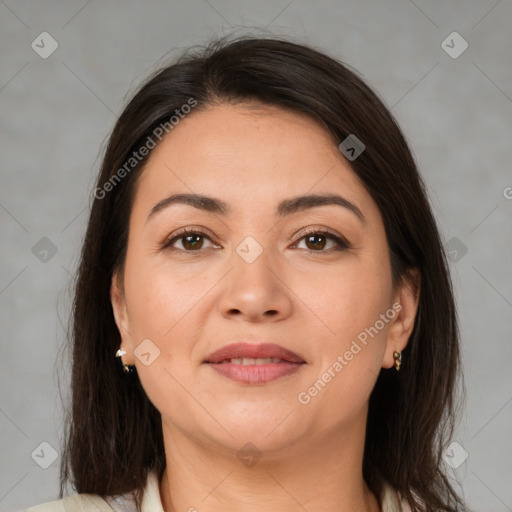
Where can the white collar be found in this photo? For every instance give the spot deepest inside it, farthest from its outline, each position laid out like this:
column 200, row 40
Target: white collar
column 151, row 501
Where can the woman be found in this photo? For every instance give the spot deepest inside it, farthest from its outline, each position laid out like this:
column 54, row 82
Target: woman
column 262, row 259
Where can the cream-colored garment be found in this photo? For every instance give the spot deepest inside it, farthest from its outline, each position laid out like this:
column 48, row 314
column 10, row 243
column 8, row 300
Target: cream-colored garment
column 151, row 501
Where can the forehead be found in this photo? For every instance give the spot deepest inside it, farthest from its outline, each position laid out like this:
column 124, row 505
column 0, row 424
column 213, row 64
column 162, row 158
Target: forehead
column 247, row 153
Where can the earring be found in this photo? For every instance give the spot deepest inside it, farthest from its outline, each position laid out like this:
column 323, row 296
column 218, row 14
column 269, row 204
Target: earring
column 128, row 368
column 397, row 356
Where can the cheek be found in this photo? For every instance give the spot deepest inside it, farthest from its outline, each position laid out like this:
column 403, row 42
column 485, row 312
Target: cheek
column 161, row 306
column 160, row 297
column 343, row 302
column 350, row 337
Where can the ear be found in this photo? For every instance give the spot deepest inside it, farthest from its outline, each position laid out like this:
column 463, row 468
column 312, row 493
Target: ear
column 405, row 304
column 118, row 301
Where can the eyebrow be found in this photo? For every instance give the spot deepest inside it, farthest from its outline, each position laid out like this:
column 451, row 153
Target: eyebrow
column 286, row 207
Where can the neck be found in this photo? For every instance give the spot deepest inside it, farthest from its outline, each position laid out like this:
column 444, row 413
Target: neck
column 323, row 474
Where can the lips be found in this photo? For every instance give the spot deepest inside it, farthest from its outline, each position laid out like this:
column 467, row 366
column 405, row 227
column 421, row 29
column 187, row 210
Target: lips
column 253, row 351
column 254, row 364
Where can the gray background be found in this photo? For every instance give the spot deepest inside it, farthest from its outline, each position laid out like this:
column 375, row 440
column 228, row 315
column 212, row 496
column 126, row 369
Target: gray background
column 56, row 113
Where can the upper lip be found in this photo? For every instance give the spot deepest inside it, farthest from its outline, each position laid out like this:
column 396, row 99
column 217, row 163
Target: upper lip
column 250, row 350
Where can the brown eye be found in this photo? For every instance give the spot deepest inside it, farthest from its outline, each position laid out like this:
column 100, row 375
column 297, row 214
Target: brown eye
column 190, row 241
column 316, row 241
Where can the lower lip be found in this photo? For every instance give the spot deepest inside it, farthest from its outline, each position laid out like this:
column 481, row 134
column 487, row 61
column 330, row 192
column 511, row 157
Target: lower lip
column 255, row 373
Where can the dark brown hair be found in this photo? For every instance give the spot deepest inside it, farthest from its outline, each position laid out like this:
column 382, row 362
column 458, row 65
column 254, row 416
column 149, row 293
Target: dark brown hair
column 115, row 435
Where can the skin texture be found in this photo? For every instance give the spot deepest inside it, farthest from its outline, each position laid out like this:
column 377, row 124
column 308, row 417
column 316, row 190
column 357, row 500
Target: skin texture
column 307, row 297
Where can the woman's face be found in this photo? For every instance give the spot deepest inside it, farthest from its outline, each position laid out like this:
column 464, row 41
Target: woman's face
column 256, row 273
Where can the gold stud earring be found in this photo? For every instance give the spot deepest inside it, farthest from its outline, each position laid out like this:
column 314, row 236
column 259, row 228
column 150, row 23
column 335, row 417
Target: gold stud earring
column 397, row 356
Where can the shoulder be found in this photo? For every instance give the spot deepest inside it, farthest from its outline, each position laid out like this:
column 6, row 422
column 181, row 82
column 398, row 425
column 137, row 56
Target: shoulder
column 86, row 502
column 76, row 503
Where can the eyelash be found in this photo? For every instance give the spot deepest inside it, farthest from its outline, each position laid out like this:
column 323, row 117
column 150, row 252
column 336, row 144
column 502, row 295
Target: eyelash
column 342, row 243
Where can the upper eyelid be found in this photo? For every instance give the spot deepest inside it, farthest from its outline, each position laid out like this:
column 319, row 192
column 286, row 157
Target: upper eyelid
column 186, row 232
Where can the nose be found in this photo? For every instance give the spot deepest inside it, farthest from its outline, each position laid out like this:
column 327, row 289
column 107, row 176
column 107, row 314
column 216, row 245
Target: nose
column 255, row 291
